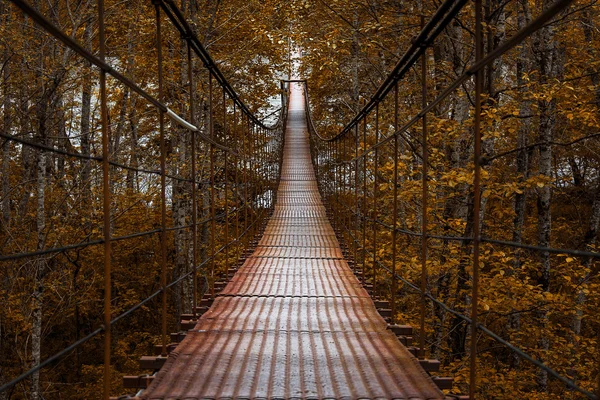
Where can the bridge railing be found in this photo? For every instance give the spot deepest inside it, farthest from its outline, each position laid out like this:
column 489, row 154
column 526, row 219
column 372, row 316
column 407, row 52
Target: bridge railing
column 183, row 203
column 384, row 179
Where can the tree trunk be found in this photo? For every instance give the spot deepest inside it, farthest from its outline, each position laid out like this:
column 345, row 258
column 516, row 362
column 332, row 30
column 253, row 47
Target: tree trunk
column 6, row 209
column 589, row 26
column 459, row 154
column 588, row 242
column 355, row 65
column 37, row 298
column 7, row 125
column 458, row 332
column 548, row 64
column 86, row 101
column 63, row 142
column 523, row 158
column 132, row 181
column 116, row 147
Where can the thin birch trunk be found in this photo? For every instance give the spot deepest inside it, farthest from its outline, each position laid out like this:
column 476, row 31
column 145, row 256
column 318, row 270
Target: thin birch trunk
column 548, row 65
column 523, row 161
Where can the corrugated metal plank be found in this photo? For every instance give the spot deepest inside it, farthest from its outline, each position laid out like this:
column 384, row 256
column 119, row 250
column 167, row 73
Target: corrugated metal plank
column 328, row 313
column 297, row 252
column 286, row 364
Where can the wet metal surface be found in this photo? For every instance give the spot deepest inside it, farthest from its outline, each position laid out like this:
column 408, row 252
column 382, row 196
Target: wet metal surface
column 294, row 322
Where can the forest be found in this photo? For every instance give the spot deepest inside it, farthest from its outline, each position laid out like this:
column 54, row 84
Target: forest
column 184, row 210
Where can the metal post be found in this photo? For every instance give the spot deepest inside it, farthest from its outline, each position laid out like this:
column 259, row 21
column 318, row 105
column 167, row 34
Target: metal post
column 331, row 185
column 259, row 181
column 163, row 186
column 344, row 185
column 364, row 200
column 267, row 173
column 334, row 177
column 226, row 171
column 272, row 172
column 265, row 170
column 348, row 186
column 252, row 148
column 105, row 204
column 374, row 224
column 337, row 184
column 424, row 201
column 251, row 182
column 213, row 227
column 314, row 155
column 261, row 168
column 267, row 167
column 260, row 175
column 252, row 170
column 194, row 188
column 476, row 200
column 263, row 163
column 245, row 174
column 395, row 209
column 335, row 199
column 357, row 219
column 237, row 182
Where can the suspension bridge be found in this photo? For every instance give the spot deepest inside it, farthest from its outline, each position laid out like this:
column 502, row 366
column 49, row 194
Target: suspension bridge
column 294, row 321
column 302, row 312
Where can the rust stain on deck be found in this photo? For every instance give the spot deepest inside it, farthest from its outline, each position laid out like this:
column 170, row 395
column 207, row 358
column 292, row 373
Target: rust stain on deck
column 294, row 322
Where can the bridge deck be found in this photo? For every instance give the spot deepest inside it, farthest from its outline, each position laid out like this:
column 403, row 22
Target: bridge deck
column 294, row 322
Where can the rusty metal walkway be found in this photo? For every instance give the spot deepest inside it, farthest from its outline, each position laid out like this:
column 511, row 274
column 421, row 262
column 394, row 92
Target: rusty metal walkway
column 294, row 322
